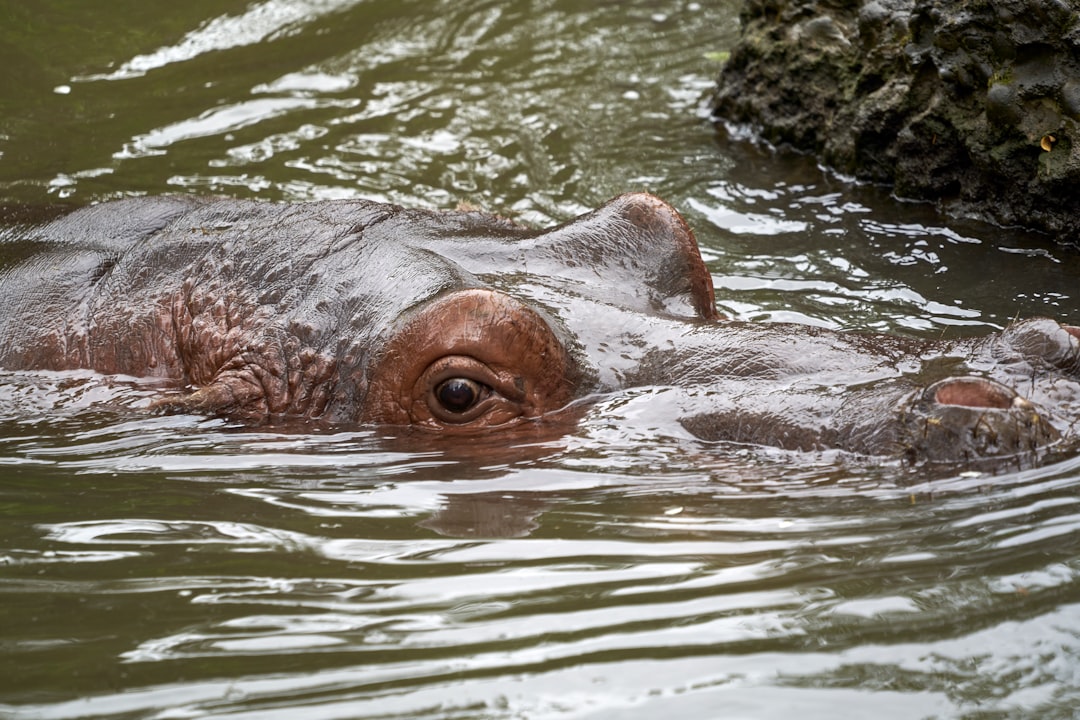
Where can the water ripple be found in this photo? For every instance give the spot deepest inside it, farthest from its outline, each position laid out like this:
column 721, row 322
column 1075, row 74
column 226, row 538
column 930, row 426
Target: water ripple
column 178, row 566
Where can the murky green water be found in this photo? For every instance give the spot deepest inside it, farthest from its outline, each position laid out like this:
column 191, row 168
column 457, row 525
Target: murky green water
column 176, row 567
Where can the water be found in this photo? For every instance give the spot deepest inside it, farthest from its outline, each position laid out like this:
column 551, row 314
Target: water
column 175, row 567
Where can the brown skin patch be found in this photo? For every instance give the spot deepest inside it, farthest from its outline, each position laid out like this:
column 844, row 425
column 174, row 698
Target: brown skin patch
column 509, row 354
column 233, row 376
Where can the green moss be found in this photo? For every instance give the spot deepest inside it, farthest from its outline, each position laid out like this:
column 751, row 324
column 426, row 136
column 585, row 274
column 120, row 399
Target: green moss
column 1002, row 76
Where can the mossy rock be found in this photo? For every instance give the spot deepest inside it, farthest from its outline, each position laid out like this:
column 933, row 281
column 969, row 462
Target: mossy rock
column 972, row 105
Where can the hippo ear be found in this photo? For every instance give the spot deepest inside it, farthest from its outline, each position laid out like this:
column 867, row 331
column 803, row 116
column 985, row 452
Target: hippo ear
column 636, row 244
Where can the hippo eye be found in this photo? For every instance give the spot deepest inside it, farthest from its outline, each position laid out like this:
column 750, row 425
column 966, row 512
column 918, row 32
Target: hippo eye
column 458, row 395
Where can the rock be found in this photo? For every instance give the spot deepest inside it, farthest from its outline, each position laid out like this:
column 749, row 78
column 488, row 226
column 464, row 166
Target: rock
column 969, row 104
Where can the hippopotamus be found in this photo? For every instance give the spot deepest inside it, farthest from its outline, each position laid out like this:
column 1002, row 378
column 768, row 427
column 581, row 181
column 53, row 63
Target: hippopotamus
column 361, row 312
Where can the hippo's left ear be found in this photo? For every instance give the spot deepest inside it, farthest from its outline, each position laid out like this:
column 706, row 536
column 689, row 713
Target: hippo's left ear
column 638, row 244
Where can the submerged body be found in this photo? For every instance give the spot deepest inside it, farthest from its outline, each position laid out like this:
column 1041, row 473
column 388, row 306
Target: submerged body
column 355, row 311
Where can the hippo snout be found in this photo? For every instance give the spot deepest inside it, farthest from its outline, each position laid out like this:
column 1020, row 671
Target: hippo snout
column 973, row 418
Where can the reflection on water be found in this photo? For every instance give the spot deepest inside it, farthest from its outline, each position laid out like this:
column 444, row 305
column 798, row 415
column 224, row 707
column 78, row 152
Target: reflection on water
column 261, row 21
column 179, row 566
column 208, row 569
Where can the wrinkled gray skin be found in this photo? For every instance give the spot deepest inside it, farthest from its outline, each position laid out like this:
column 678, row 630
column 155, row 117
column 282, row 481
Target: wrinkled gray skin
column 265, row 312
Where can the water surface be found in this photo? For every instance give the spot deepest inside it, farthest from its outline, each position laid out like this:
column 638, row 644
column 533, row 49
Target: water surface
column 176, row 567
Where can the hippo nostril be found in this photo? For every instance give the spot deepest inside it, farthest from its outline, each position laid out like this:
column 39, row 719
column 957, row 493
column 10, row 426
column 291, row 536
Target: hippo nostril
column 1072, row 330
column 973, row 393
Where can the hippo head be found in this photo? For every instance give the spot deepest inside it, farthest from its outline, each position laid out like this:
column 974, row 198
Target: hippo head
column 620, row 298
column 356, row 311
column 366, row 312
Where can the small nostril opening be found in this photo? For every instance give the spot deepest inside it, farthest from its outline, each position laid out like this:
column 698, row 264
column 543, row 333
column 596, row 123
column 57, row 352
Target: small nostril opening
column 1072, row 330
column 974, row 393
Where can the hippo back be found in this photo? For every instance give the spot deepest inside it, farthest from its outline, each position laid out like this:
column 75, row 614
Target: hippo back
column 52, row 271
